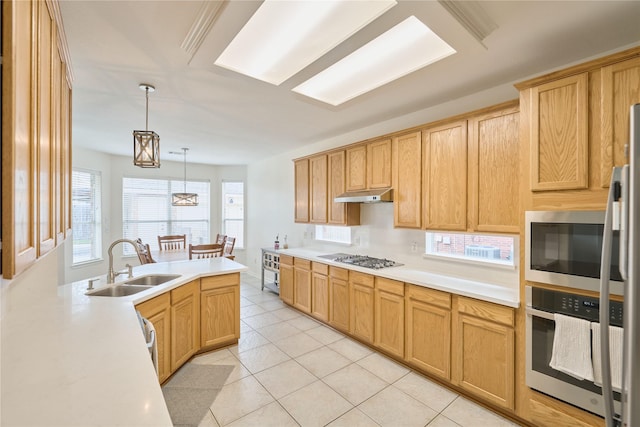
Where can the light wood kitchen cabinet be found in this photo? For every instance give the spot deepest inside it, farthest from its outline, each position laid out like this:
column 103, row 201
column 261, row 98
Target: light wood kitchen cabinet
column 302, row 285
column 407, row 180
column 219, row 310
column 36, row 93
column 301, row 171
column 428, row 326
column 185, row 323
column 356, row 168
column 620, row 88
column 484, row 339
column 379, row 164
column 339, row 298
column 286, row 279
column 494, row 140
column 445, row 176
column 339, row 213
column 361, row 295
column 559, row 134
column 158, row 311
column 320, row 291
column 389, row 313
column 318, row 188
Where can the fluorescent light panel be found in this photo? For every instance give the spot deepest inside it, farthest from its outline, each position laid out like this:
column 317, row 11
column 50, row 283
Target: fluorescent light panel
column 405, row 48
column 283, row 37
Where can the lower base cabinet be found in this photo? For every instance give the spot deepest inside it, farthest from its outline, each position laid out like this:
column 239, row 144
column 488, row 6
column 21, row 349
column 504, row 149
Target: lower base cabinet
column 158, row 311
column 320, row 291
column 361, row 288
column 389, row 313
column 286, row 279
column 302, row 285
column 185, row 323
column 219, row 310
column 485, row 358
column 428, row 325
column 339, row 298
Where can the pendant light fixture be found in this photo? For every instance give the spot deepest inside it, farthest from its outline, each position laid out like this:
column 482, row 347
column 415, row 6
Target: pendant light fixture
column 146, row 143
column 184, row 199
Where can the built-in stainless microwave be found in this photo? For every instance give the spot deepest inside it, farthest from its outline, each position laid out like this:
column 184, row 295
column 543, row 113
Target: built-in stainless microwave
column 564, row 248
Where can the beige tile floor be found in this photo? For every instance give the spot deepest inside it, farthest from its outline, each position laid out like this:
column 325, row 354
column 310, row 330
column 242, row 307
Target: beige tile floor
column 293, row 371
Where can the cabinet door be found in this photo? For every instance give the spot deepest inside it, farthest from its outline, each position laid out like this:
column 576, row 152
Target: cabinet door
column 559, row 134
column 429, row 331
column 361, row 288
column 407, row 181
column 620, row 89
column 445, row 176
column 485, row 345
column 356, row 168
column 286, row 283
column 220, row 316
column 320, row 296
column 494, row 141
column 379, row 164
column 318, row 193
column 340, row 213
column 185, row 323
column 158, row 311
column 19, row 142
column 302, row 190
column 389, row 316
column 302, row 289
column 339, row 298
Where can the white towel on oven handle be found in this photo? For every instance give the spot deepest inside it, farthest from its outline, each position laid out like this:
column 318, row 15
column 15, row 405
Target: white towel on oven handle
column 616, row 336
column 571, row 351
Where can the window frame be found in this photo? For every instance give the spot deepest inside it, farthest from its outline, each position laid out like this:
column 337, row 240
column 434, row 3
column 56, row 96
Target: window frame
column 96, row 224
column 240, row 240
column 498, row 263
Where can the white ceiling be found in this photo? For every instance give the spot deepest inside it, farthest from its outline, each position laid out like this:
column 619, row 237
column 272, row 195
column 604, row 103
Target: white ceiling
column 226, row 118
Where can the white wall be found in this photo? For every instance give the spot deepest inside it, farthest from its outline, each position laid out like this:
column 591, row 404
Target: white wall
column 270, row 199
column 113, row 169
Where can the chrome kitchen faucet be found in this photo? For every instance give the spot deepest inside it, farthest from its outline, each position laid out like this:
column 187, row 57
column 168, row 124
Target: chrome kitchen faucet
column 111, row 275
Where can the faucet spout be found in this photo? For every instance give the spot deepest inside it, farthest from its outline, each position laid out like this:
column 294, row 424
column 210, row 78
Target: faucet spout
column 111, row 275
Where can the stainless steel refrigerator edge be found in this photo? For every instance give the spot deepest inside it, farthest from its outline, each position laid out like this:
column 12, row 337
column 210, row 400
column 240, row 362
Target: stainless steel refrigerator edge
column 623, row 212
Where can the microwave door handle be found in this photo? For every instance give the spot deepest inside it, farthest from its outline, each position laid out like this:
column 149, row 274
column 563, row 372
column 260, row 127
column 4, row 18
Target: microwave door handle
column 605, row 272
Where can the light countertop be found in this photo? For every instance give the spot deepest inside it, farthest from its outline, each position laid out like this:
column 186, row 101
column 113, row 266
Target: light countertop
column 410, row 274
column 73, row 360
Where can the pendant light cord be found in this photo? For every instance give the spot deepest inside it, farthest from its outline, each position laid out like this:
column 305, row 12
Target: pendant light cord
column 185, row 169
column 146, row 122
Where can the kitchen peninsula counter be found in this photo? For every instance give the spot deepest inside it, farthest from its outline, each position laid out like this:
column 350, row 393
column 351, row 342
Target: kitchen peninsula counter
column 503, row 295
column 73, row 360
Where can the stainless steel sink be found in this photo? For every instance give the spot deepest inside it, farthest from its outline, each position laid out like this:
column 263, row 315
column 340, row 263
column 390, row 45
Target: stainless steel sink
column 118, row 291
column 151, row 279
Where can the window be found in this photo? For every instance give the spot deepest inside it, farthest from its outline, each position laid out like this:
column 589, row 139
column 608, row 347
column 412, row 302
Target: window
column 473, row 247
column 233, row 211
column 86, row 215
column 147, row 212
column 331, row 233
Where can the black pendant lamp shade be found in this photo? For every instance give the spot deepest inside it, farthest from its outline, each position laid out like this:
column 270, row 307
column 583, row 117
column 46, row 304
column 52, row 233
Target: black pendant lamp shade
column 146, row 143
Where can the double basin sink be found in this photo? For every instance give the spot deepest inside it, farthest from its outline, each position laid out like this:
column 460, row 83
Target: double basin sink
column 133, row 286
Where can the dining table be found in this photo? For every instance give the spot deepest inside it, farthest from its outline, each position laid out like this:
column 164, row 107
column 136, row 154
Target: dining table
column 171, row 255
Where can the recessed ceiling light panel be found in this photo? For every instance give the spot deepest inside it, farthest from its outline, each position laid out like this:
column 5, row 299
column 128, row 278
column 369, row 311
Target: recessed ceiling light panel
column 405, row 48
column 283, row 37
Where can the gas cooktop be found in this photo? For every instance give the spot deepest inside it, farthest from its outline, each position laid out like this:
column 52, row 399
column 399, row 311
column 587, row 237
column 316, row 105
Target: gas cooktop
column 362, row 261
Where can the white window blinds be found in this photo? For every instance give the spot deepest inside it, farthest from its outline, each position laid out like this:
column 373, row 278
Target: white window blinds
column 86, row 215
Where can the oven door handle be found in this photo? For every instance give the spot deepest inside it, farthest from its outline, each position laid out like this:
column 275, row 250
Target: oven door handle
column 539, row 313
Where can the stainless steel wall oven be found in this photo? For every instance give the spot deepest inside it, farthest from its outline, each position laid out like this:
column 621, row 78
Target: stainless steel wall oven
column 541, row 304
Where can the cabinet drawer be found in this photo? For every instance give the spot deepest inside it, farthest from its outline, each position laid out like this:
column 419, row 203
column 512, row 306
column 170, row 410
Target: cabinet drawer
column 286, row 259
column 184, row 291
column 391, row 286
column 305, row 264
column 320, row 268
column 214, row 282
column 155, row 305
column 339, row 273
column 486, row 310
column 429, row 296
column 361, row 279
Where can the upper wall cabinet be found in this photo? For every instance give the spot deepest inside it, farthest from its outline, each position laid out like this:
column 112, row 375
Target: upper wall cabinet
column 318, row 188
column 301, row 190
column 340, row 213
column 445, row 176
column 36, row 134
column 356, row 168
column 369, row 166
column 494, row 141
column 407, row 181
column 559, row 134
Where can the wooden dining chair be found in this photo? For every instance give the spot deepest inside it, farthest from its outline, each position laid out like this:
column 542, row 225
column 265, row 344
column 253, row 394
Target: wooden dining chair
column 144, row 252
column 229, row 243
column 220, row 239
column 205, row 251
column 172, row 243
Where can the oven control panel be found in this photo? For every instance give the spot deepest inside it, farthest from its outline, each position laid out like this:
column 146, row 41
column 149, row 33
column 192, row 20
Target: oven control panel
column 574, row 305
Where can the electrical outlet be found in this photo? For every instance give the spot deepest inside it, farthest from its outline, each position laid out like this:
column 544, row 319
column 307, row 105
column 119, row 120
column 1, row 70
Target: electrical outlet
column 414, row 246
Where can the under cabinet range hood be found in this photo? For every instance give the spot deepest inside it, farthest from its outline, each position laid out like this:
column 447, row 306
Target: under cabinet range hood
column 368, row 196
